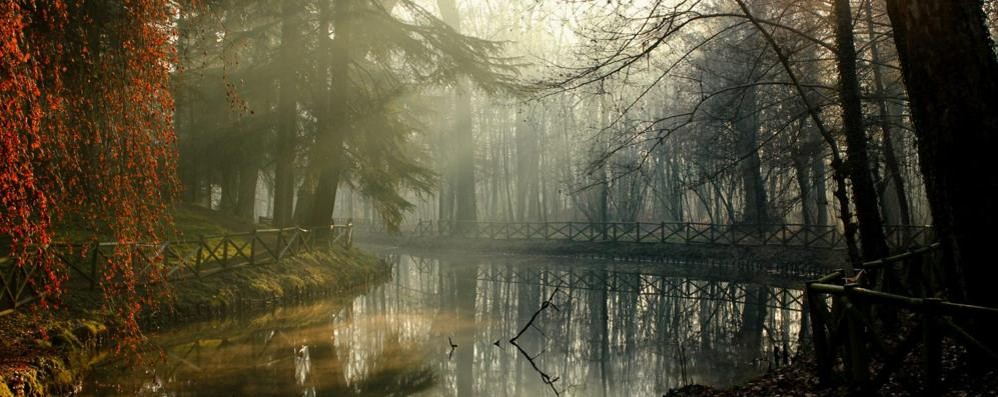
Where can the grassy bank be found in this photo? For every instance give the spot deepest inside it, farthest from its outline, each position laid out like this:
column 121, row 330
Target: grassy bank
column 48, row 353
column 336, row 271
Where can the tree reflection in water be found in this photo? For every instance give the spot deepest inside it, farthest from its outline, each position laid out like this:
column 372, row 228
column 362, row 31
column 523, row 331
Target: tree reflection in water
column 620, row 330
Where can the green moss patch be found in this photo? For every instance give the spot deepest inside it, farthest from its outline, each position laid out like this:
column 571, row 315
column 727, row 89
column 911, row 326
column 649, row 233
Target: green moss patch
column 36, row 366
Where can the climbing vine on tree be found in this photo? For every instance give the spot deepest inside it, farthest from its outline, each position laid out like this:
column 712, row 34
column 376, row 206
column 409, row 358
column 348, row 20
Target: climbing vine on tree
column 88, row 134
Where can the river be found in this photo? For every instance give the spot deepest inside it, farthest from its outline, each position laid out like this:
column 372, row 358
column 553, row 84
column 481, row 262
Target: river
column 442, row 326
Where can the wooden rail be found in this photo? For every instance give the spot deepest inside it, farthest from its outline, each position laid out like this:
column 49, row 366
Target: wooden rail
column 787, row 235
column 21, row 285
column 842, row 314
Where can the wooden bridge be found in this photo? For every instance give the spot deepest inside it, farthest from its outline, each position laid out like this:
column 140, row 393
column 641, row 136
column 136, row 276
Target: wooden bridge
column 202, row 257
column 785, row 235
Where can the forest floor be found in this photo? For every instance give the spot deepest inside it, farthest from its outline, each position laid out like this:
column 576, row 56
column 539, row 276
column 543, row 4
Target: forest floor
column 960, row 378
column 48, row 353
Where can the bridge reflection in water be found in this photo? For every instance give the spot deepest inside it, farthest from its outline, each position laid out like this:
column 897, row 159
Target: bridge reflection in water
column 618, row 330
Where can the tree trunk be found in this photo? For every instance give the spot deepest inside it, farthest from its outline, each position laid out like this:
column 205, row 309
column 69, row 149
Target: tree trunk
column 445, row 159
column 895, row 182
column 871, row 230
column 526, row 166
column 330, row 156
column 813, row 153
column 951, row 75
column 230, row 190
column 747, row 123
column 533, row 170
column 246, row 201
column 324, row 203
column 804, row 187
column 287, row 134
column 464, row 142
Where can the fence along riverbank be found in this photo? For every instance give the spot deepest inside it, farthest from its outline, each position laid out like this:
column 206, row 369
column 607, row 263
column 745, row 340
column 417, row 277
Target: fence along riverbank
column 202, row 257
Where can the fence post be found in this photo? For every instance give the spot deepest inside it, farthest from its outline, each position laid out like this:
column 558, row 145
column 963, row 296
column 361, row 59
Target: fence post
column 858, row 362
column 280, row 246
column 818, row 335
column 349, row 235
column 197, row 260
column 225, row 249
column 348, row 238
column 296, row 241
column 932, row 344
column 252, row 260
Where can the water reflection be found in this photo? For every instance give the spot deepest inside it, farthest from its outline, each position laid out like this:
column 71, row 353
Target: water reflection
column 617, row 330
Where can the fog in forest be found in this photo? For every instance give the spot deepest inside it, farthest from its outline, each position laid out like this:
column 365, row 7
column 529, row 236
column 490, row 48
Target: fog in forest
column 532, row 111
column 498, row 197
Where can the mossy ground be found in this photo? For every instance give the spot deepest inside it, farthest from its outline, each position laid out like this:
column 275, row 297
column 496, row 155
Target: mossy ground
column 46, row 353
column 34, row 363
column 336, row 270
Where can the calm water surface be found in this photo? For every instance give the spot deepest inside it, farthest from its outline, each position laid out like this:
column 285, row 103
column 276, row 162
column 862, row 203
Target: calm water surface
column 612, row 330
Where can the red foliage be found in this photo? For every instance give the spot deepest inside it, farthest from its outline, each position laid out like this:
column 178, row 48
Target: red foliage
column 87, row 131
column 30, row 79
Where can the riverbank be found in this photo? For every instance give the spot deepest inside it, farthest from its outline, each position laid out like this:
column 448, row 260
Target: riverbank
column 800, row 379
column 47, row 353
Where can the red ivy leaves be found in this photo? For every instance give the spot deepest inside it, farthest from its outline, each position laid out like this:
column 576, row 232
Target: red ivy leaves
column 23, row 199
column 87, row 131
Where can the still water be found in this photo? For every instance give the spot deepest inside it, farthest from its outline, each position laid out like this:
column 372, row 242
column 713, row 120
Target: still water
column 441, row 327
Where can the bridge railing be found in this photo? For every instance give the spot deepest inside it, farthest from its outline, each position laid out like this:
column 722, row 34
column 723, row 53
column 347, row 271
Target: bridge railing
column 86, row 263
column 842, row 324
column 791, row 235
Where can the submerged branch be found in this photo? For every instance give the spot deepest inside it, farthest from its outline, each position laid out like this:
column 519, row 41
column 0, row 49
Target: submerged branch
column 547, row 379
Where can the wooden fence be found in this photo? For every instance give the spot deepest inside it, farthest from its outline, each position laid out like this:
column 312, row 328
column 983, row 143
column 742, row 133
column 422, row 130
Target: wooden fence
column 85, row 263
column 789, row 235
column 842, row 324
